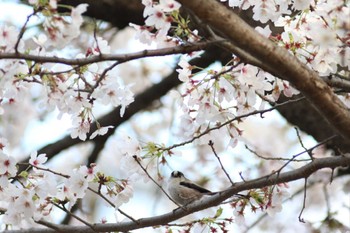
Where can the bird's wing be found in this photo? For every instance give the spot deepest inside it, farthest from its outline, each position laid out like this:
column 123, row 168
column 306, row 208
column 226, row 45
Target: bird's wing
column 194, row 186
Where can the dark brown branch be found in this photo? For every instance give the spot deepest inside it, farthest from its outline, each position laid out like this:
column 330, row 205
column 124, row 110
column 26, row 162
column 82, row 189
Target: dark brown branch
column 117, row 12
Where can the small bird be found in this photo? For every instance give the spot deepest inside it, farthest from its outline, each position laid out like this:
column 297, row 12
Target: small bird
column 183, row 190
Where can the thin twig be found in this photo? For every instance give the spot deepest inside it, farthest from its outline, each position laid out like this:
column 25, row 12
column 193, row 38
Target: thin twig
column 294, row 156
column 103, row 75
column 302, row 144
column 20, row 35
column 332, row 176
column 277, row 158
column 155, row 182
column 306, row 150
column 326, row 197
column 241, row 175
column 45, row 169
column 95, row 37
column 112, row 204
column 304, row 200
column 73, row 215
column 211, row 144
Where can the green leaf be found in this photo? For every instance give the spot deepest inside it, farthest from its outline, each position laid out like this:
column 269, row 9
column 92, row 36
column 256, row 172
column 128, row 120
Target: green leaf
column 218, row 212
column 24, row 174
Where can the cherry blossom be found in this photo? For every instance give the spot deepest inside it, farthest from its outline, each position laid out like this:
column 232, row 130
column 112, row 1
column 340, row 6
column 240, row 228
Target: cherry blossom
column 7, row 165
column 8, row 38
column 123, row 196
column 185, row 71
column 100, row 131
column 88, row 172
column 275, row 202
column 37, row 160
column 44, row 184
column 3, row 143
column 301, row 4
column 60, row 31
column 80, row 129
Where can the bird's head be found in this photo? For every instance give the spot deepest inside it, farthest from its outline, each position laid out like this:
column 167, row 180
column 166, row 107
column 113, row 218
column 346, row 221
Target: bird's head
column 177, row 174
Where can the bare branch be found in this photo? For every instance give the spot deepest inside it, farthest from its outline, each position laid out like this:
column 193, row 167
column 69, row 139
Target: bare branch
column 211, row 144
column 112, row 204
column 21, row 33
column 73, row 215
column 304, row 200
column 293, row 156
column 302, row 144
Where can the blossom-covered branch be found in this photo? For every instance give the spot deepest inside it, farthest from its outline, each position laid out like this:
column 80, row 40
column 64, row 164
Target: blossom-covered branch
column 279, row 60
column 120, row 58
column 300, row 173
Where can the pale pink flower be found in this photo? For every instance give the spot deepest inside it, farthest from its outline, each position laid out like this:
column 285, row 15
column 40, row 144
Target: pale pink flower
column 36, row 159
column 101, row 131
column 124, row 196
column 301, row 4
column 169, row 5
column 185, row 70
column 80, row 129
column 7, row 165
column 88, row 172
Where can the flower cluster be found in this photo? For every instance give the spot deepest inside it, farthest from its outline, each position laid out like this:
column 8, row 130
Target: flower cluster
column 268, row 199
column 219, row 96
column 39, row 190
column 32, row 195
column 72, row 90
column 159, row 18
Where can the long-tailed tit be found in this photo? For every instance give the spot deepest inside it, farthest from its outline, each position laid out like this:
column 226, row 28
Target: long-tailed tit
column 184, row 191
